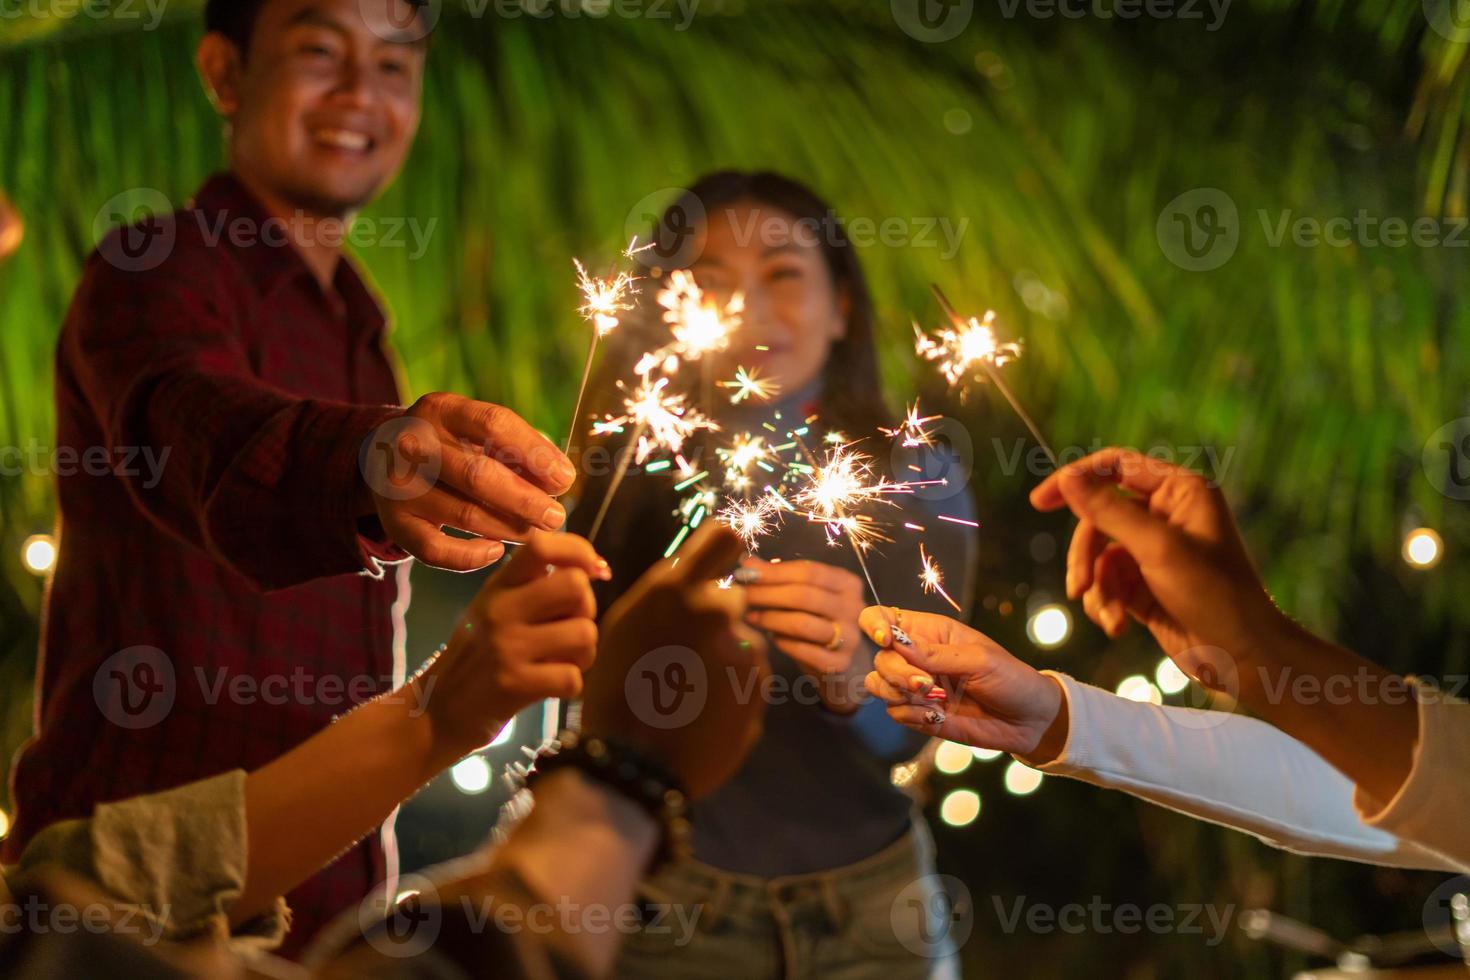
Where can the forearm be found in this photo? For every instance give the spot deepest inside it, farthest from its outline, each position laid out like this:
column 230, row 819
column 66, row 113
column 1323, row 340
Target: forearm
column 1358, row 716
column 309, row 805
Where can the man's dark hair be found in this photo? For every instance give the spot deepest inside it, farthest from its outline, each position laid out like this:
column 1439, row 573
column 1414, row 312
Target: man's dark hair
column 235, row 19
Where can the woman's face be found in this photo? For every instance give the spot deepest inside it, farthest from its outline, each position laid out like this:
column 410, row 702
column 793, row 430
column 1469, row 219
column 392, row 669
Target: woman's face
column 793, row 310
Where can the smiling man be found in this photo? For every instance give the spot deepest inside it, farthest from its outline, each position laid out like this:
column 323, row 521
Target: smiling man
column 246, row 346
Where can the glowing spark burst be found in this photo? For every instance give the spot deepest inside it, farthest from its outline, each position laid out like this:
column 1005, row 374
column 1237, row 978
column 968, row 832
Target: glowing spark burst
column 698, row 323
column 912, row 428
column 750, row 520
column 836, row 487
column 603, row 298
column 744, row 452
column 634, row 248
column 661, row 419
column 748, row 384
column 965, row 346
column 932, row 578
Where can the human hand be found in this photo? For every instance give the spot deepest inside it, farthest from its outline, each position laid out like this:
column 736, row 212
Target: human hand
column 1169, row 555
column 809, row 608
column 530, row 634
column 455, row 462
column 678, row 614
column 956, row 683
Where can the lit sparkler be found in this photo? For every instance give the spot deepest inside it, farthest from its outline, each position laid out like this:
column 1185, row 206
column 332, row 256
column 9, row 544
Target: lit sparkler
column 744, row 452
column 603, row 301
column 932, row 578
column 970, row 344
column 752, row 520
column 699, row 324
column 912, row 429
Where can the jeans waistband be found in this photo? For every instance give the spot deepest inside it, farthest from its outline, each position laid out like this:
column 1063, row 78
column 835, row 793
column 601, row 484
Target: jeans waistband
column 825, row 892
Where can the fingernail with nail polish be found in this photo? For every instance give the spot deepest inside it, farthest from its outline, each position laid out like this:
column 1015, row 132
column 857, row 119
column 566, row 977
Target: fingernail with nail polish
column 921, row 684
column 938, row 694
column 746, row 576
column 934, row 717
column 899, row 636
column 880, row 636
column 604, row 570
column 554, row 517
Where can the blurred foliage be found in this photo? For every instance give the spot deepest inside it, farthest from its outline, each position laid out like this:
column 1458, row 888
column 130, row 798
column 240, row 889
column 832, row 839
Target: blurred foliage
column 1323, row 371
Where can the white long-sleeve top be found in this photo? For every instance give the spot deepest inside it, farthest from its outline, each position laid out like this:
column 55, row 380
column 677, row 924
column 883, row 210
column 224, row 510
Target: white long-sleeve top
column 1245, row 774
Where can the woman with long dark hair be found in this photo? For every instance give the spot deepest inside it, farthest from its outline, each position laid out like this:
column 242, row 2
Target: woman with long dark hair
column 802, row 862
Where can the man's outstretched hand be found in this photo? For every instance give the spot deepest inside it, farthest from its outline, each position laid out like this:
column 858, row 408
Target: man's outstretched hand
column 453, row 462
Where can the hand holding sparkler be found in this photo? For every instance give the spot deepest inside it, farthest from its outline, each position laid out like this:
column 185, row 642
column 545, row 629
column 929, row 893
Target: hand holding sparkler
column 811, row 611
column 954, row 682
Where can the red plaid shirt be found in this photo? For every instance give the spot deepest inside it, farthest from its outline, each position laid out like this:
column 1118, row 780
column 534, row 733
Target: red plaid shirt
column 240, row 556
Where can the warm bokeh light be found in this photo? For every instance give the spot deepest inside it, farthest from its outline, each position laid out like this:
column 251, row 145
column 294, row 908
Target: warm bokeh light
column 1021, row 779
column 1423, row 548
column 960, row 808
column 1169, row 677
column 1049, row 626
column 1136, row 687
column 38, row 553
column 953, row 758
column 4, row 824
column 471, row 775
column 985, row 755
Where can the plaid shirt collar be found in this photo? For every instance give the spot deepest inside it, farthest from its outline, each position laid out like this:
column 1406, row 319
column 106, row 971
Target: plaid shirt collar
column 224, row 199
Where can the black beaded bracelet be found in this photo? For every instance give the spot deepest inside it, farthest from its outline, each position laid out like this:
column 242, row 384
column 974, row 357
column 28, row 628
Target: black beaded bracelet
column 633, row 774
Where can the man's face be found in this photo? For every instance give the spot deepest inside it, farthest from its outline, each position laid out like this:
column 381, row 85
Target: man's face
column 328, row 101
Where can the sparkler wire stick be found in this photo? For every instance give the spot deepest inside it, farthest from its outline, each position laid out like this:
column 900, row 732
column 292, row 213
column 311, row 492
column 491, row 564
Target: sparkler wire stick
column 856, row 549
column 581, row 393
column 618, row 474
column 995, row 378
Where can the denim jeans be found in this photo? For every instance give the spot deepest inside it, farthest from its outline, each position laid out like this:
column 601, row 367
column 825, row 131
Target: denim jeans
column 859, row 922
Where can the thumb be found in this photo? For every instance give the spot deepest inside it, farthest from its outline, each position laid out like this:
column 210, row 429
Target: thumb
column 1124, row 519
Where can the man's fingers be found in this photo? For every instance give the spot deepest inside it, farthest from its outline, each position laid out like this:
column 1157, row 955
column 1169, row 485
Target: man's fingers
column 1126, row 520
column 543, row 549
column 1117, row 578
column 503, row 434
column 435, row 548
column 797, row 626
column 553, row 680
column 497, row 488
column 443, row 507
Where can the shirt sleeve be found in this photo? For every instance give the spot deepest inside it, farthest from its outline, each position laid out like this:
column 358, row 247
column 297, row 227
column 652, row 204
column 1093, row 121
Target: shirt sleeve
column 266, row 481
column 177, row 859
column 1432, row 808
column 1231, row 770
